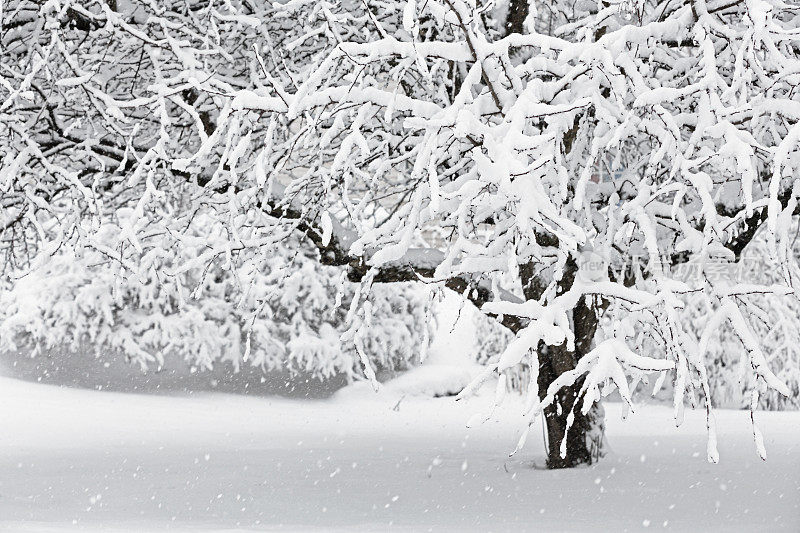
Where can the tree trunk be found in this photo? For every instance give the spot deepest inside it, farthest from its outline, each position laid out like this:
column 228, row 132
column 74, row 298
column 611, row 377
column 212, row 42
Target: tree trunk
column 584, row 440
column 583, row 443
column 517, row 13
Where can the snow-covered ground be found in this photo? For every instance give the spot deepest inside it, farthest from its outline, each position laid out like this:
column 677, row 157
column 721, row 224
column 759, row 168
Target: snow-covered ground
column 101, row 461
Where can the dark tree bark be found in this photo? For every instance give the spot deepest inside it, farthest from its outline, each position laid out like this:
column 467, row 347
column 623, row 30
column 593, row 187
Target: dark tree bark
column 585, row 436
column 584, row 440
column 517, row 13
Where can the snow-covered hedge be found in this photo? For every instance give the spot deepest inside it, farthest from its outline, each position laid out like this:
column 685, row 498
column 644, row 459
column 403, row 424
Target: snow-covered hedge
column 278, row 310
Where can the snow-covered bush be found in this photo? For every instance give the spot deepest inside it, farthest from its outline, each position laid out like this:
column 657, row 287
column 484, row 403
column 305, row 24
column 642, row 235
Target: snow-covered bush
column 282, row 310
column 491, row 339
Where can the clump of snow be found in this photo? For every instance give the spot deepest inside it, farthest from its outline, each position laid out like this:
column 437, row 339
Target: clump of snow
column 450, row 364
column 427, row 380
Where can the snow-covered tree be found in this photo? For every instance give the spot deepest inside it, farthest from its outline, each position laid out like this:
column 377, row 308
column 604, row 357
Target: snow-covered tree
column 549, row 162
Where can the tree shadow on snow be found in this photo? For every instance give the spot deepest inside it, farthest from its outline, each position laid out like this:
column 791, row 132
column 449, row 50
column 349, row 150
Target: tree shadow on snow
column 114, row 373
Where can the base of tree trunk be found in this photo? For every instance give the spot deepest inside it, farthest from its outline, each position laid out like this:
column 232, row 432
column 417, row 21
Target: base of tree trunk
column 584, row 442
